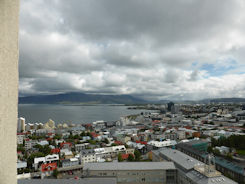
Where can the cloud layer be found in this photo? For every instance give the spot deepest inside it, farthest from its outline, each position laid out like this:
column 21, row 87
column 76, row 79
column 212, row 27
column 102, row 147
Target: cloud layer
column 190, row 49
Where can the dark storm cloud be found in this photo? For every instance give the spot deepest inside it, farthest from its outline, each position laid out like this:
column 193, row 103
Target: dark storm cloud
column 140, row 47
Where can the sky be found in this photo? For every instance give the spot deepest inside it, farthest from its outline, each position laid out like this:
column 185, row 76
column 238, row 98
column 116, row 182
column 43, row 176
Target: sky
column 156, row 50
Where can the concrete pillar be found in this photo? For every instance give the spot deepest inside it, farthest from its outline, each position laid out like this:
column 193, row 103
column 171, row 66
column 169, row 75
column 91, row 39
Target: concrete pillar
column 9, row 54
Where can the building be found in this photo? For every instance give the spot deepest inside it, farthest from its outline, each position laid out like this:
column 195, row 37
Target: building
column 80, row 147
column 21, row 124
column 190, row 170
column 161, row 144
column 30, row 143
column 88, row 155
column 70, row 162
column 20, row 138
column 109, row 152
column 70, row 181
column 232, row 169
column 197, row 144
column 39, row 161
column 133, row 172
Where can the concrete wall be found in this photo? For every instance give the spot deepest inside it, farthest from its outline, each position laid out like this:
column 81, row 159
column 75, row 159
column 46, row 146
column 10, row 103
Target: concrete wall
column 9, row 15
column 131, row 176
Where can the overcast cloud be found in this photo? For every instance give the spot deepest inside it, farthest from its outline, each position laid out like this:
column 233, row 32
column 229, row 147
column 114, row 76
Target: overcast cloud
column 161, row 49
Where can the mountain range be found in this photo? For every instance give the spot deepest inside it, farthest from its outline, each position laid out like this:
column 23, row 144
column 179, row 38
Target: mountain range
column 83, row 98
column 80, row 98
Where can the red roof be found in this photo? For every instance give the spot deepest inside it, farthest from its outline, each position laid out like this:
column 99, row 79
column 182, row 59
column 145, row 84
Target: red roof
column 55, row 150
column 21, row 134
column 156, row 121
column 125, row 156
column 118, row 142
column 49, row 167
column 93, row 134
column 65, row 143
column 49, row 139
column 141, row 142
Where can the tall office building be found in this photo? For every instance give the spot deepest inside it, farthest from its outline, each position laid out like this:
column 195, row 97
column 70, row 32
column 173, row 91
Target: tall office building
column 21, row 124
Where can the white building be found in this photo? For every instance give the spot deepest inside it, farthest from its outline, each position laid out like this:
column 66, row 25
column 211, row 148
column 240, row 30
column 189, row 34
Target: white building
column 20, row 138
column 161, row 144
column 47, row 159
column 21, row 124
column 87, row 156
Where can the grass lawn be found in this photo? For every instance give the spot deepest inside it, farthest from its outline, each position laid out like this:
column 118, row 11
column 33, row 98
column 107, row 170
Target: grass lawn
column 241, row 152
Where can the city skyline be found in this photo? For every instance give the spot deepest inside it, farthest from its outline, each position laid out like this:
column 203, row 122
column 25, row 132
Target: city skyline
column 153, row 50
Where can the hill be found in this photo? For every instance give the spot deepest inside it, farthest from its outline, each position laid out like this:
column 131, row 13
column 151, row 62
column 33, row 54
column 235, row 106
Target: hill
column 80, row 98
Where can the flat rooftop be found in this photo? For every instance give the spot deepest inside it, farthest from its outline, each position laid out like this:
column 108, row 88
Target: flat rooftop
column 69, row 181
column 201, row 179
column 119, row 166
column 180, row 158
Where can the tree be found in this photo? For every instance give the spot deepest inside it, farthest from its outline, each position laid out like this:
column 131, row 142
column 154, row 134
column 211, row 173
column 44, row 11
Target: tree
column 119, row 158
column 228, row 156
column 30, row 159
column 55, row 173
column 106, row 141
column 130, row 157
column 216, row 152
column 137, row 155
column 83, row 134
column 210, row 149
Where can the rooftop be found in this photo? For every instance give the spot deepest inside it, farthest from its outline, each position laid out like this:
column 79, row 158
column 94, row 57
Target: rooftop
column 129, row 166
column 201, row 179
column 180, row 158
column 70, row 181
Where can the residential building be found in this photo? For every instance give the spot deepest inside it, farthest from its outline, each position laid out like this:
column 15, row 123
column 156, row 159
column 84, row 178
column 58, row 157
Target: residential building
column 70, row 162
column 88, row 155
column 80, row 147
column 20, row 138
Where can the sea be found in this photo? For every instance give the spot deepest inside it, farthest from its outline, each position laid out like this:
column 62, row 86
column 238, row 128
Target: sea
column 77, row 114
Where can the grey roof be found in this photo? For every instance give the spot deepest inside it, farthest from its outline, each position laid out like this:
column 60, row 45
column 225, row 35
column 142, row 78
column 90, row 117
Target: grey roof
column 192, row 142
column 201, row 179
column 179, row 158
column 87, row 151
column 70, row 181
column 129, row 166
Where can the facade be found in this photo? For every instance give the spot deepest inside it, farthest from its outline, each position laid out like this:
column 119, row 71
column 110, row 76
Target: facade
column 70, row 162
column 129, row 172
column 108, row 152
column 20, row 138
column 29, row 144
column 87, row 156
column 80, row 147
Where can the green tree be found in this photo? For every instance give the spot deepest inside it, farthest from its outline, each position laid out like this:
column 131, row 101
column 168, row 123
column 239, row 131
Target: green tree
column 130, row 157
column 30, row 159
column 216, row 152
column 55, row 173
column 57, row 136
column 106, row 141
column 119, row 157
column 210, row 149
column 137, row 155
column 83, row 134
